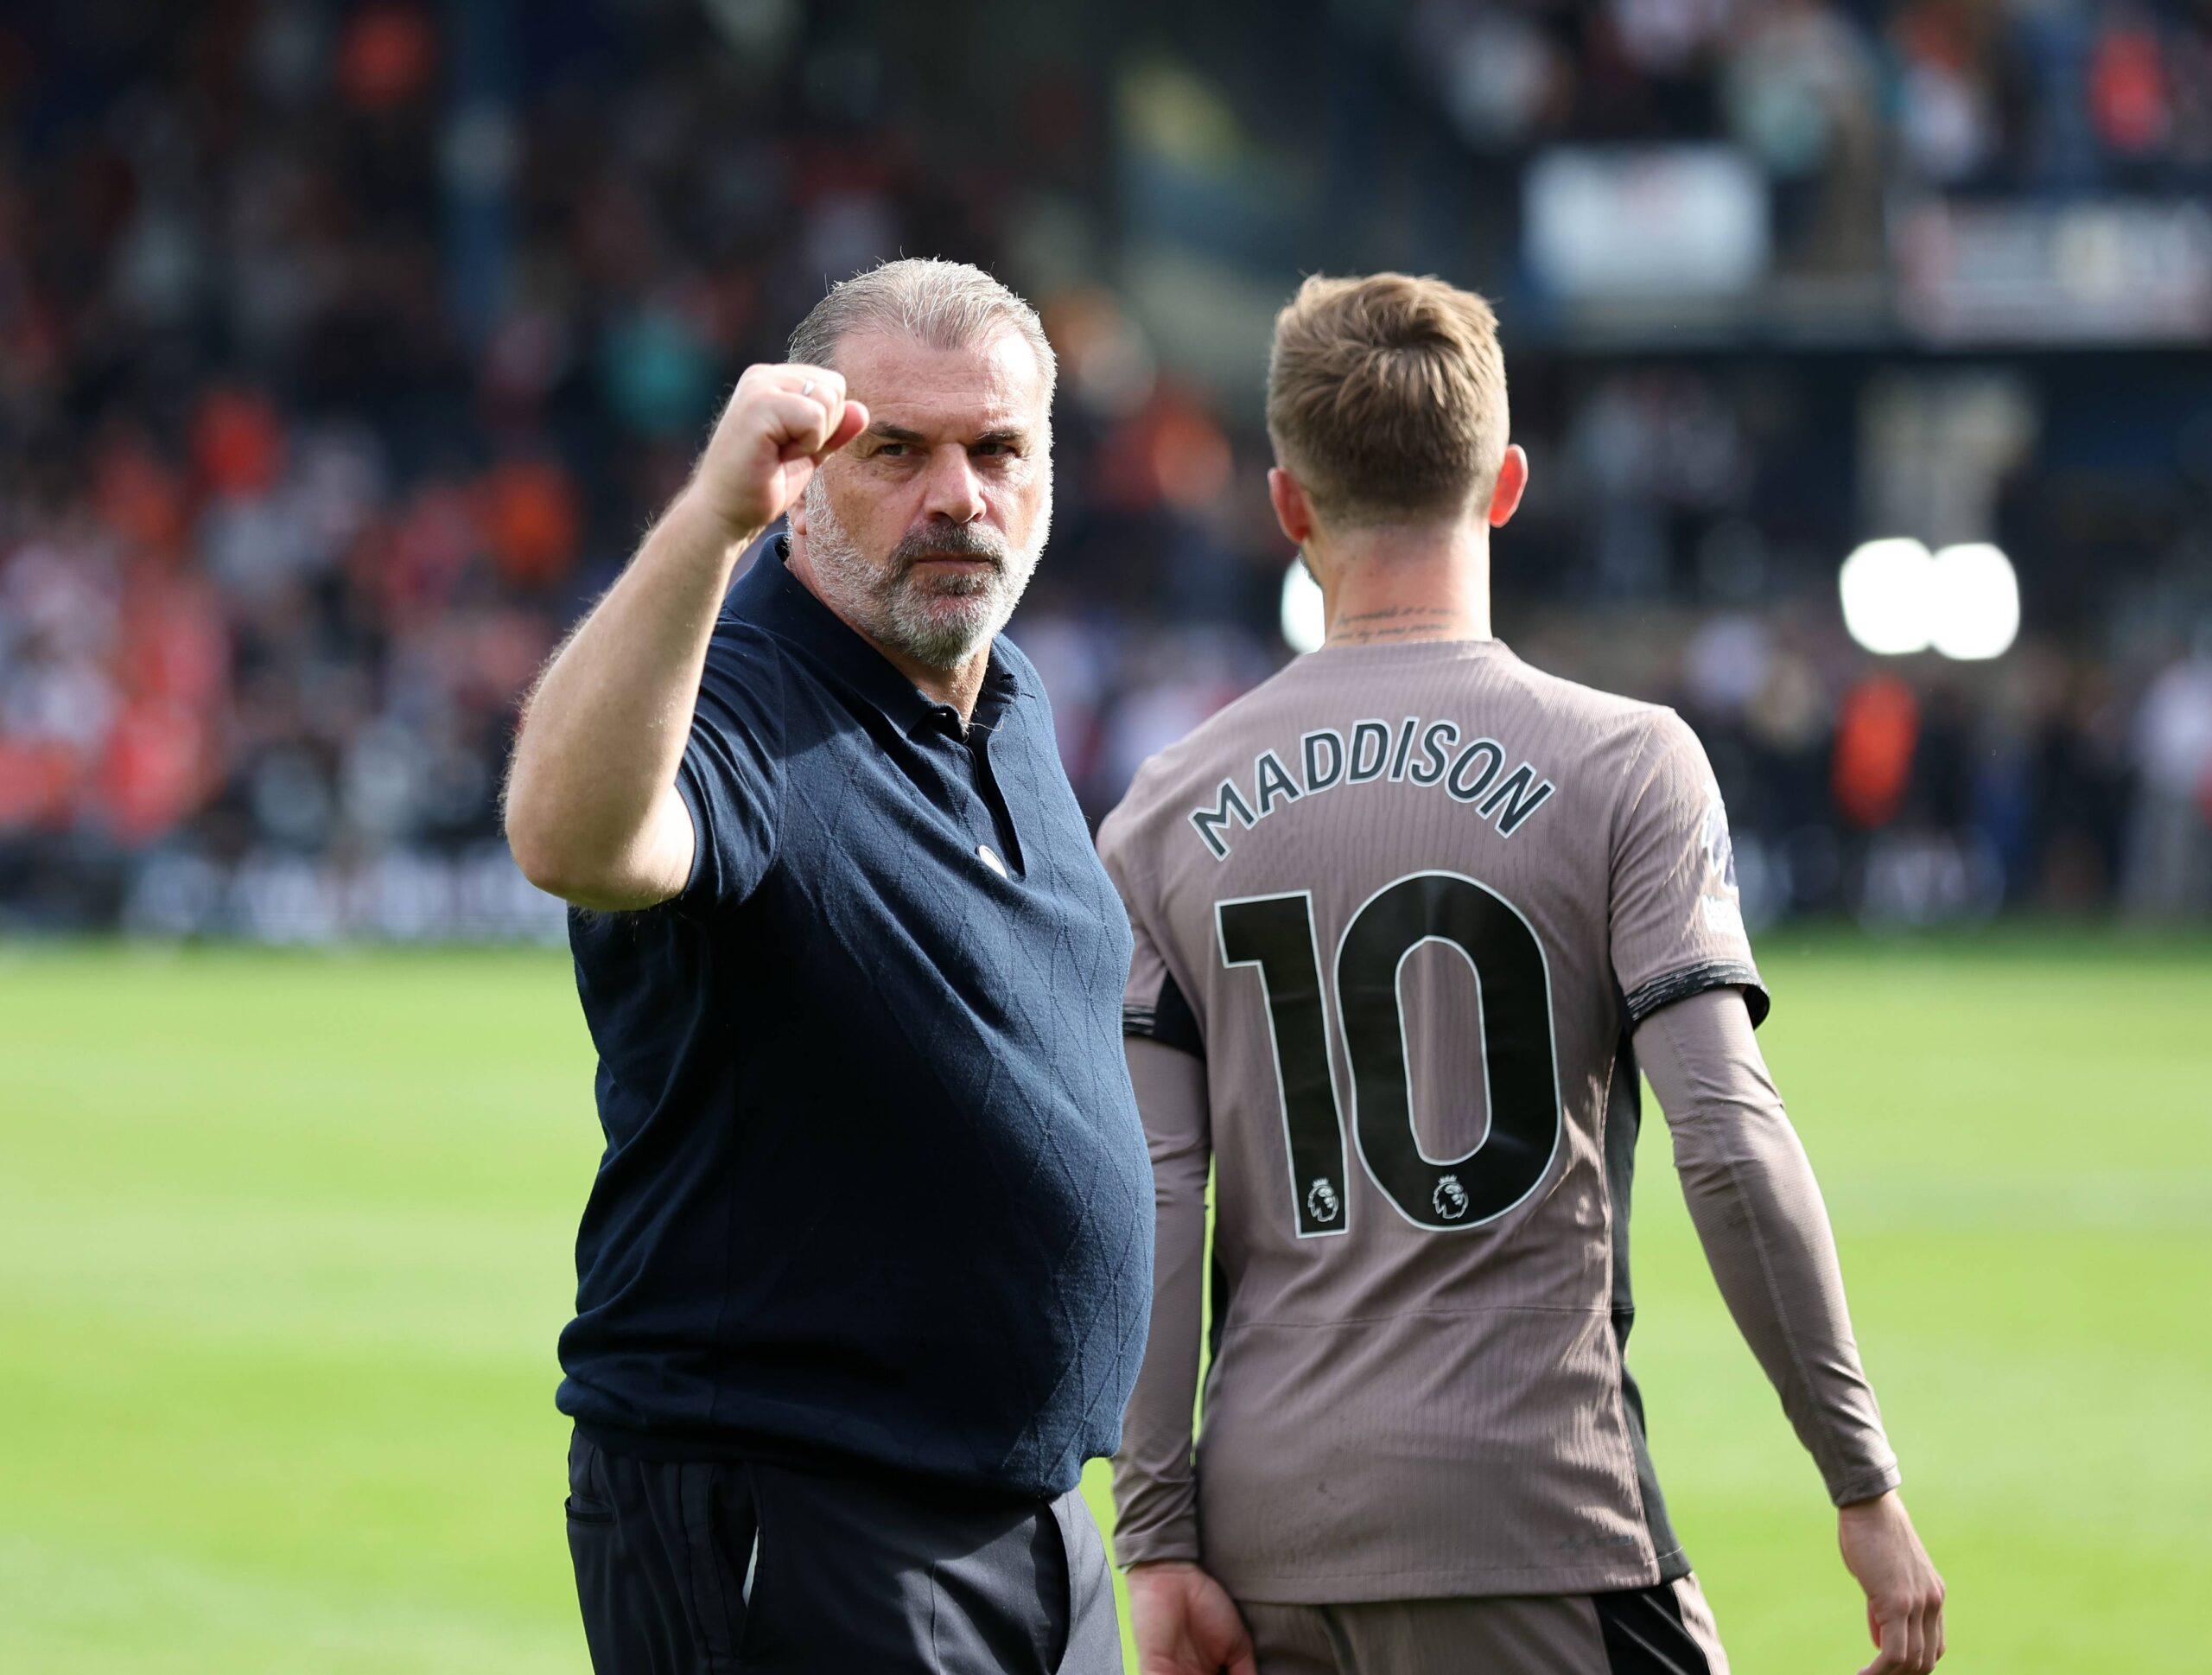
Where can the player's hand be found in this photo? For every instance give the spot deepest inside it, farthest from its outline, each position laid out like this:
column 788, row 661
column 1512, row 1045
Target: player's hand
column 1185, row 1623
column 781, row 423
column 1905, row 1596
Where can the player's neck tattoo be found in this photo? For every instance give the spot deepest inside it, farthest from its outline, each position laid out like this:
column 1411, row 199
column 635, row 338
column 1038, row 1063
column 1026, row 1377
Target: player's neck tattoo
column 1390, row 622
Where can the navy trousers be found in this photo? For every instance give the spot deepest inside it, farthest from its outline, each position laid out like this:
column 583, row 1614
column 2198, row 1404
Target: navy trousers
column 695, row 1567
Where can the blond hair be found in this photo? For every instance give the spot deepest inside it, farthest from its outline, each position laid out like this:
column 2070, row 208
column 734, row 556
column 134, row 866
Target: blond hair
column 1386, row 397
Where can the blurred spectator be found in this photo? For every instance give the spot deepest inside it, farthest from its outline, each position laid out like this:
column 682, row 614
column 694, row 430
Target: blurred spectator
column 2170, row 848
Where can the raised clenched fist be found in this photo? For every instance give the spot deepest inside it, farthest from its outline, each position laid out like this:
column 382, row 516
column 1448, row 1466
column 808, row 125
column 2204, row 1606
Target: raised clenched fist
column 781, row 423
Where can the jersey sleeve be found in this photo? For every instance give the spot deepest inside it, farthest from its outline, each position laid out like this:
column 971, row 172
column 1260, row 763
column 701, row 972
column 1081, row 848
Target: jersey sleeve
column 1156, row 1479
column 731, row 778
column 1676, row 918
column 1758, row 1214
column 1153, row 1006
column 1156, row 1482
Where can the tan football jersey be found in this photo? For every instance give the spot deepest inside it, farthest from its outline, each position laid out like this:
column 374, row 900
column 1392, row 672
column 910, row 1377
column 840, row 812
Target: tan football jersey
column 1407, row 902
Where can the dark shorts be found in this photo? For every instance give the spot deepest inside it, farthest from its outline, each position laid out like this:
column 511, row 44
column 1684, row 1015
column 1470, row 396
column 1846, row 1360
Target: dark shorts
column 690, row 1567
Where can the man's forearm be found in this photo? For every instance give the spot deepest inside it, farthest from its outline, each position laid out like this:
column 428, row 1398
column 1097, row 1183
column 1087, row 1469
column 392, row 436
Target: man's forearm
column 591, row 812
column 1155, row 1490
column 1765, row 1231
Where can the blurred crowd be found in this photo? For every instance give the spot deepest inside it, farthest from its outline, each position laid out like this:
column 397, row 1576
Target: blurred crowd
column 2023, row 94
column 345, row 349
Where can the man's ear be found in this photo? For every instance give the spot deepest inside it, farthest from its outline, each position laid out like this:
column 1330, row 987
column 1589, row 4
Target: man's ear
column 1293, row 511
column 1512, row 482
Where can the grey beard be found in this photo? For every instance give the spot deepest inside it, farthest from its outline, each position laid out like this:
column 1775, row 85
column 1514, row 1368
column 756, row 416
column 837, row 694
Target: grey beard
column 939, row 624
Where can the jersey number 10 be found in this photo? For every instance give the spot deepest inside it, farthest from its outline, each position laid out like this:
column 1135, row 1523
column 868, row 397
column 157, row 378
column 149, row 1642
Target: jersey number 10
column 1519, row 1062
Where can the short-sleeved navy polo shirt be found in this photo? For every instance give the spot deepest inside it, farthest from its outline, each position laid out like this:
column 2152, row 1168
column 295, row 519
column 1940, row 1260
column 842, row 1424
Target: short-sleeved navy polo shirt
column 874, row 1188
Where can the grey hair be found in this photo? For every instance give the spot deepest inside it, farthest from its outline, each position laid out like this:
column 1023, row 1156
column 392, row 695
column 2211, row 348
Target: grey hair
column 948, row 305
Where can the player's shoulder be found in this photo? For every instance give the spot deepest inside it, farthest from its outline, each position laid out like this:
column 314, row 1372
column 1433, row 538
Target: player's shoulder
column 1584, row 715
column 1599, row 726
column 1594, row 708
column 1604, row 735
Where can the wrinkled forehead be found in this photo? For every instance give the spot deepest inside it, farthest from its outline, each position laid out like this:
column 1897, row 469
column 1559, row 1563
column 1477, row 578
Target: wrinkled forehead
column 946, row 394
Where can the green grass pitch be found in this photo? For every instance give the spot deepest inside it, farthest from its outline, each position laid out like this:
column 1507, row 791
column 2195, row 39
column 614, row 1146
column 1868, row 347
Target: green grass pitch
column 284, row 1244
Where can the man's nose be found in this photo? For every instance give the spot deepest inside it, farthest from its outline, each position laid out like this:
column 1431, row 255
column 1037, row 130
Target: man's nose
column 953, row 490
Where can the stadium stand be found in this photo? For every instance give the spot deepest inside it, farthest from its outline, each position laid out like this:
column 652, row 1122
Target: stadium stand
column 343, row 347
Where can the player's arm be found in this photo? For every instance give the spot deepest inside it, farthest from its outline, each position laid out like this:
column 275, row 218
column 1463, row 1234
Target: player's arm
column 592, row 810
column 1155, row 1487
column 1759, row 1214
column 1184, row 1624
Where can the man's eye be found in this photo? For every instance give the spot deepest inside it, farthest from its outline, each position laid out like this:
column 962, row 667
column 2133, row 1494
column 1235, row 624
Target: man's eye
column 891, row 451
column 992, row 450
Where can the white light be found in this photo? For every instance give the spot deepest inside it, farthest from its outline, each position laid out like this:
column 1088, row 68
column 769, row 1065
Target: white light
column 1888, row 590
column 1976, row 602
column 1304, row 625
column 1899, row 598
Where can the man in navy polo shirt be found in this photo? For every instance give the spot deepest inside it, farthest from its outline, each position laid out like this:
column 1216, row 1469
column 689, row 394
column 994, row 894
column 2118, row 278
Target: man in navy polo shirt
column 864, row 1275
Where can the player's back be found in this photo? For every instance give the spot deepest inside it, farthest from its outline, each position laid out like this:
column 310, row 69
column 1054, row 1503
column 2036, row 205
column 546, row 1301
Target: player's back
column 1407, row 900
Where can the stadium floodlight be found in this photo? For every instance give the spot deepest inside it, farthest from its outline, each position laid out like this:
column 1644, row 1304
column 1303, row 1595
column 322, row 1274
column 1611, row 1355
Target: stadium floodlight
column 1305, row 625
column 1976, row 600
column 1888, row 589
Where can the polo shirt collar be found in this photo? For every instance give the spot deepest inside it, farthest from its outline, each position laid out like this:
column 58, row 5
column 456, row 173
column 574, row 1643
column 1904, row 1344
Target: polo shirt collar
column 769, row 595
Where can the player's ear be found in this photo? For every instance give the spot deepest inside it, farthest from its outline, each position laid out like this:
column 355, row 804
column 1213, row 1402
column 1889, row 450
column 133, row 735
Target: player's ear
column 1293, row 511
column 1512, row 482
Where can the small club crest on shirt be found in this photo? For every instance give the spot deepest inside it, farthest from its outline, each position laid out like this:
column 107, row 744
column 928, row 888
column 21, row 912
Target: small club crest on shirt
column 1321, row 1202
column 1450, row 1198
